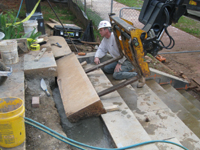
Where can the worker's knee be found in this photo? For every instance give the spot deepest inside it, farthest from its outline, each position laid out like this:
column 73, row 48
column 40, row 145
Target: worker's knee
column 117, row 75
column 124, row 75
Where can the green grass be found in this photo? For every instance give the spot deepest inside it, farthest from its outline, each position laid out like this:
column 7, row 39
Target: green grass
column 188, row 25
column 131, row 3
column 61, row 10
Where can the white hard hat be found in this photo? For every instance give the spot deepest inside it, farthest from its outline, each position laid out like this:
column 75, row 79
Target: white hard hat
column 104, row 24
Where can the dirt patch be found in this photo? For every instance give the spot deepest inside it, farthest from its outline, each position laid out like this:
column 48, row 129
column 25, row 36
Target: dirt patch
column 46, row 114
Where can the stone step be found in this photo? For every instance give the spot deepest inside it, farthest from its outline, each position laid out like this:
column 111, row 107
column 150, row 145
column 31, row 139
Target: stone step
column 156, row 118
column 122, row 125
column 182, row 100
column 175, row 107
column 191, row 98
column 79, row 97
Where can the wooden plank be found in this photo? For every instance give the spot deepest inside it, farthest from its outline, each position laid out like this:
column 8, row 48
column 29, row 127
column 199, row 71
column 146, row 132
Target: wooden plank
column 37, row 58
column 79, row 97
column 122, row 125
column 57, row 51
column 111, row 108
column 197, row 80
column 54, row 21
column 51, row 25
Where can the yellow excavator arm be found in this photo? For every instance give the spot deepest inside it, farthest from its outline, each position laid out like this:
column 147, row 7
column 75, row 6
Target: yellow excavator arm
column 130, row 43
column 134, row 43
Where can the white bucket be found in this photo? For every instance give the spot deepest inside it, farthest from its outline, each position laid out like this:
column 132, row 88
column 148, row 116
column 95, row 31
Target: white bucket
column 29, row 27
column 8, row 50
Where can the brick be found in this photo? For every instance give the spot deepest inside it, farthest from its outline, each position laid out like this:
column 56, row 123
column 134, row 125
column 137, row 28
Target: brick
column 35, row 102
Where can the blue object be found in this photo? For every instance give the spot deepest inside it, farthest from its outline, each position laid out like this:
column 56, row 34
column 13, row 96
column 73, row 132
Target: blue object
column 68, row 140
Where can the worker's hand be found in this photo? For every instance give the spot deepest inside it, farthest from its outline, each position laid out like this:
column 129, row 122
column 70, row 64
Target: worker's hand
column 118, row 68
column 96, row 60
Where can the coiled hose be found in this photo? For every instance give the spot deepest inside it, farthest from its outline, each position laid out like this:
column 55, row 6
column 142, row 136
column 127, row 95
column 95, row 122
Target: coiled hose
column 81, row 145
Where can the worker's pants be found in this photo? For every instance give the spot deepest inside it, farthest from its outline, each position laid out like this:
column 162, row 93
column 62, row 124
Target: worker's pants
column 124, row 73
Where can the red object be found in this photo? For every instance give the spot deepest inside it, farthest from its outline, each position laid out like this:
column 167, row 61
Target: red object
column 81, row 54
column 160, row 58
column 35, row 102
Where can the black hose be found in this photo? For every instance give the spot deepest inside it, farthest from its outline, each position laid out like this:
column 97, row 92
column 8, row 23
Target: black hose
column 172, row 42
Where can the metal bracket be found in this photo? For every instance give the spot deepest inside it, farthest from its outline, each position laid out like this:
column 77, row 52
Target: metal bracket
column 118, row 86
column 103, row 64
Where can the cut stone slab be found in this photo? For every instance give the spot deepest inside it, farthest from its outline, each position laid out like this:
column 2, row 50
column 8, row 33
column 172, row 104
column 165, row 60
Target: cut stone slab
column 183, row 101
column 45, row 67
column 14, row 87
column 177, row 108
column 124, row 128
column 57, row 51
column 166, row 146
column 189, row 97
column 160, row 124
column 89, row 58
column 79, row 97
column 165, row 78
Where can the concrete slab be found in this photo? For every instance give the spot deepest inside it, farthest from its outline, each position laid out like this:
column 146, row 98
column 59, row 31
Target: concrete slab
column 189, row 97
column 166, row 146
column 14, row 87
column 89, row 58
column 57, row 51
column 161, row 123
column 177, row 108
column 122, row 125
column 79, row 97
column 165, row 78
column 45, row 67
column 183, row 101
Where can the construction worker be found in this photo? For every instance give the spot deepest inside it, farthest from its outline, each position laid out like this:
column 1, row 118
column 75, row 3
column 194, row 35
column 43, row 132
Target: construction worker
column 121, row 69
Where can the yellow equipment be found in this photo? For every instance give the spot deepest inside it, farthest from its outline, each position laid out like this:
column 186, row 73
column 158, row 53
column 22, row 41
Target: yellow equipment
column 134, row 43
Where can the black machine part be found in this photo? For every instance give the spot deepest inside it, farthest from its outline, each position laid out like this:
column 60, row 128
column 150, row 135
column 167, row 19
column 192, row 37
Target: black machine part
column 157, row 15
column 3, row 68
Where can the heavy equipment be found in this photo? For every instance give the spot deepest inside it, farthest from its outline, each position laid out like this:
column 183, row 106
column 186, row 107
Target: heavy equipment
column 134, row 43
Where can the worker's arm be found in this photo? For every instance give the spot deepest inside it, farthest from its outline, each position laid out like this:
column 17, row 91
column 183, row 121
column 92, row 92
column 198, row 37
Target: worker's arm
column 101, row 51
